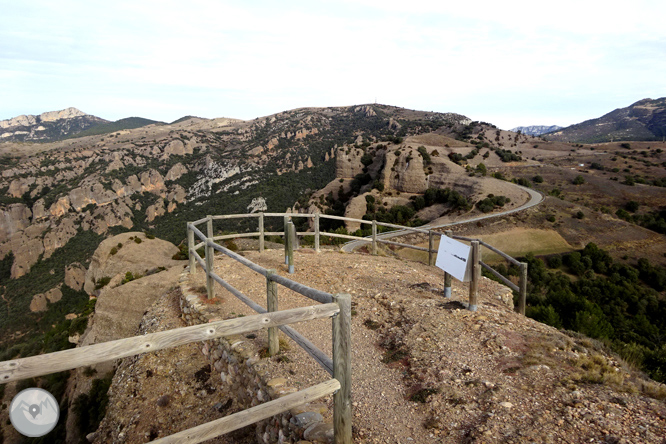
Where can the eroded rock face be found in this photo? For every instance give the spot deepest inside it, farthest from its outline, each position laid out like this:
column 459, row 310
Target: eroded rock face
column 176, row 172
column 404, row 171
column 26, row 252
column 137, row 258
column 155, row 210
column 39, row 301
column 348, row 163
column 14, row 218
column 75, row 276
column 59, row 236
column 94, row 194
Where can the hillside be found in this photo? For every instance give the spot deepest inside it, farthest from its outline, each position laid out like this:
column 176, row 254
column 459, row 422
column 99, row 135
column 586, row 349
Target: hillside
column 644, row 120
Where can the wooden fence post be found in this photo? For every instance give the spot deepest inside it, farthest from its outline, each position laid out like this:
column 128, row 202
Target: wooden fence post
column 342, row 414
column 523, row 288
column 290, row 246
column 190, row 248
column 316, row 229
column 374, row 237
column 272, row 305
column 261, row 232
column 209, row 226
column 476, row 277
column 447, row 276
column 431, row 248
column 210, row 282
column 286, row 237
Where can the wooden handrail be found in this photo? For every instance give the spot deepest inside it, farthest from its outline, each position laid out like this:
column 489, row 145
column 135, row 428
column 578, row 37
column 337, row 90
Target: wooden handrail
column 121, row 348
column 244, row 418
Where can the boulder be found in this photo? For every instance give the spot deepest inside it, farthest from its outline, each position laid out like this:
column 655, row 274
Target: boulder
column 176, row 172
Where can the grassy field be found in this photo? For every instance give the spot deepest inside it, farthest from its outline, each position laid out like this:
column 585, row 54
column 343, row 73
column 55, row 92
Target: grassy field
column 515, row 242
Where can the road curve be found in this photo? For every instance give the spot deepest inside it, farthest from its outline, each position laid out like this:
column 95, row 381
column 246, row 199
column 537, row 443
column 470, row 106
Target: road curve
column 535, row 199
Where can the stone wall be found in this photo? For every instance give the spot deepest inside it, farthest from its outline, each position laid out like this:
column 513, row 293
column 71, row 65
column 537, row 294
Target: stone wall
column 238, row 366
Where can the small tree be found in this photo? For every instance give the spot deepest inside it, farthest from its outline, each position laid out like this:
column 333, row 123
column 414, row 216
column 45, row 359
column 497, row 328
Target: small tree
column 579, row 180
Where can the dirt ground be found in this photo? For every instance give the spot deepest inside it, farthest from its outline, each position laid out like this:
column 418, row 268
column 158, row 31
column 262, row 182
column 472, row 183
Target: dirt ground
column 427, row 370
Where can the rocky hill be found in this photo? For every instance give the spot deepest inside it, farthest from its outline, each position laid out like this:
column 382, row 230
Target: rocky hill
column 60, row 199
column 643, row 120
column 536, row 130
column 48, row 126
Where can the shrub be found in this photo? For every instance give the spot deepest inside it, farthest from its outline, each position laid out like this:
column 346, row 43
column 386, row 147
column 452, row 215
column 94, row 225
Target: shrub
column 137, row 240
column 113, row 251
column 579, row 215
column 537, row 179
column 102, row 282
column 579, row 180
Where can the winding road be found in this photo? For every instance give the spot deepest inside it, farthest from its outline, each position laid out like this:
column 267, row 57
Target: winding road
column 535, row 199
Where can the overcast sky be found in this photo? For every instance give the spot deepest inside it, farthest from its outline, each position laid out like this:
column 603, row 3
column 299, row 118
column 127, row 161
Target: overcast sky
column 506, row 62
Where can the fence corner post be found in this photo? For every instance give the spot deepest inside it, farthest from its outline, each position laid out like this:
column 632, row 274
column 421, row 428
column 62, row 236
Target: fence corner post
column 431, row 248
column 374, row 237
column 476, row 277
column 261, row 232
column 522, row 300
column 190, row 248
column 447, row 276
column 342, row 414
column 272, row 305
column 210, row 283
column 316, row 230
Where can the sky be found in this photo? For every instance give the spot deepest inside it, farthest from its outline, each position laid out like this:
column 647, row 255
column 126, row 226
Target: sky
column 509, row 63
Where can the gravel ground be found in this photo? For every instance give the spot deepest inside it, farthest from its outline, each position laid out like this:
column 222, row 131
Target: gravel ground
column 427, row 370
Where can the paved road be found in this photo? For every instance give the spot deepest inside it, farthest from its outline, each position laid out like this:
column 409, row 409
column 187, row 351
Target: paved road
column 535, row 199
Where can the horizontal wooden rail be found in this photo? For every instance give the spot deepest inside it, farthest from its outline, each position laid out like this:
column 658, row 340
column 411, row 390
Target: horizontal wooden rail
column 501, row 253
column 94, row 354
column 200, row 221
column 311, row 293
column 234, row 236
column 244, row 418
column 235, row 216
column 346, row 236
column 463, row 238
column 402, row 228
column 309, row 347
column 346, row 219
column 413, row 247
column 510, row 284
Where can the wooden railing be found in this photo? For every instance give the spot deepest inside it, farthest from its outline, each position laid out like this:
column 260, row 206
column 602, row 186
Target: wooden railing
column 290, row 238
column 339, row 367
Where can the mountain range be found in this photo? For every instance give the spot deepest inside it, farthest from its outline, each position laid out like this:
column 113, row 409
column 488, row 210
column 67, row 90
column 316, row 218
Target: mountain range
column 644, row 120
column 536, row 130
column 57, row 125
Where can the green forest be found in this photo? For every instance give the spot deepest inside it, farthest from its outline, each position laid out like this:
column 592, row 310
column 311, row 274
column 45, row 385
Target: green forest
column 621, row 304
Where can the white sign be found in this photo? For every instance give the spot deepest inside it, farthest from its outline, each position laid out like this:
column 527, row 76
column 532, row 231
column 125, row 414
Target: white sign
column 455, row 258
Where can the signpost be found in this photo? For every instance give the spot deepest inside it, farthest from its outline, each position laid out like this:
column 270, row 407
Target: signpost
column 455, row 258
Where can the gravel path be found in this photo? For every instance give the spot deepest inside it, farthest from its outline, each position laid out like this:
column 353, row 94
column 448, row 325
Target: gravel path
column 381, row 412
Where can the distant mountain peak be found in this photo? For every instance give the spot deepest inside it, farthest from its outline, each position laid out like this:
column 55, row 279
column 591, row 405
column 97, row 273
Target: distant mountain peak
column 48, row 126
column 536, row 130
column 643, row 120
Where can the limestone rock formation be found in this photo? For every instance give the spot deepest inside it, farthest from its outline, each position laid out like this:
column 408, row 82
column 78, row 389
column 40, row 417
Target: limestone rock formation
column 75, row 276
column 137, row 258
column 176, row 172
column 155, row 210
column 39, row 301
column 348, row 162
column 13, row 218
